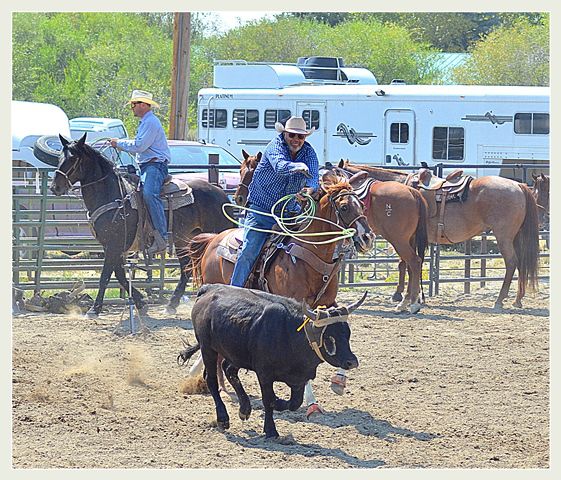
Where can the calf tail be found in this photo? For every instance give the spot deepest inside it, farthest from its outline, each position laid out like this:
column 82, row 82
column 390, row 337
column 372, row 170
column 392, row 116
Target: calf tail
column 186, row 354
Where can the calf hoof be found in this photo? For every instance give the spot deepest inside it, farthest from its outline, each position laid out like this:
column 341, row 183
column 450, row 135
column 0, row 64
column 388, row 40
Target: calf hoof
column 338, row 383
column 223, row 424
column 314, row 409
column 498, row 306
column 397, row 297
column 244, row 414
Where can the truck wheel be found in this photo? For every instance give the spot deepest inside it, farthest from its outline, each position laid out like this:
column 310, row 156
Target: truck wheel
column 48, row 149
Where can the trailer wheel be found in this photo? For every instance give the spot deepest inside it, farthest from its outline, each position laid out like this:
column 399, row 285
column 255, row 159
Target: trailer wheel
column 48, row 149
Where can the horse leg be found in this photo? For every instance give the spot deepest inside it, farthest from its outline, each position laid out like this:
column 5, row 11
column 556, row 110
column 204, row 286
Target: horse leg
column 413, row 262
column 311, row 401
column 173, row 303
column 398, row 295
column 506, row 247
column 136, row 295
column 106, row 271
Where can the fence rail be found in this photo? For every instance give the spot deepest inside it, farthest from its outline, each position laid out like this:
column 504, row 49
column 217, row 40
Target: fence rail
column 48, row 245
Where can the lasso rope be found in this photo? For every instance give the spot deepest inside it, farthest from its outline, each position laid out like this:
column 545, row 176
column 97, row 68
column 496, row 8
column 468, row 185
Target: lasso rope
column 284, row 221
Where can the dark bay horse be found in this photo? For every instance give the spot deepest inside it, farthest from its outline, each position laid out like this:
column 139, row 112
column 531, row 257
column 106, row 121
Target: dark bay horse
column 395, row 211
column 504, row 206
column 116, row 228
column 311, row 276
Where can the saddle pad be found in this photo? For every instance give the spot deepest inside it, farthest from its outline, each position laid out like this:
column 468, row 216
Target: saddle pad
column 230, row 246
column 175, row 184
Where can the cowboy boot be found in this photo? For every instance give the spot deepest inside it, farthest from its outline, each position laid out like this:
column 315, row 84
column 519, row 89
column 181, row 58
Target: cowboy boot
column 158, row 245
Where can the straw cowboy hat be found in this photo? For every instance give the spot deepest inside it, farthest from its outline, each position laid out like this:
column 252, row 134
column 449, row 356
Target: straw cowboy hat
column 142, row 96
column 294, row 125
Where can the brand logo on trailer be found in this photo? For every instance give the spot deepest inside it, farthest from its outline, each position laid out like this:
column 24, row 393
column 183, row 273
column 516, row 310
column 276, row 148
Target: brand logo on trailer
column 352, row 136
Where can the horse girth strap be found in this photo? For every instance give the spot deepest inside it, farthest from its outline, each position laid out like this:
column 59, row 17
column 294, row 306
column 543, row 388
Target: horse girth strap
column 324, row 268
column 98, row 212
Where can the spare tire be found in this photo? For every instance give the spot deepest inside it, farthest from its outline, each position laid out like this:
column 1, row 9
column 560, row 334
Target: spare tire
column 48, row 149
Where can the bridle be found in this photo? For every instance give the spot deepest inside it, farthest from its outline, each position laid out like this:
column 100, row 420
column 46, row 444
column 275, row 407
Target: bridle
column 345, row 193
column 71, row 170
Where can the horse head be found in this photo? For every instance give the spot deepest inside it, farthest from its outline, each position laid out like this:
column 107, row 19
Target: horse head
column 70, row 168
column 247, row 169
column 348, row 210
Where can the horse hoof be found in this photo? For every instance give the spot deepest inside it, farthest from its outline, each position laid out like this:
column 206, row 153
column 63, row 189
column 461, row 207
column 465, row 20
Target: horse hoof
column 338, row 383
column 415, row 308
column 171, row 310
column 313, row 409
column 498, row 306
column 517, row 304
column 397, row 297
column 91, row 314
column 143, row 310
column 401, row 308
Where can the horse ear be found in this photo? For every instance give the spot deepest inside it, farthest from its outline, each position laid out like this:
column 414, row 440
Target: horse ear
column 534, row 176
column 245, row 154
column 543, row 176
column 329, row 178
column 63, row 140
column 358, row 177
column 341, row 163
column 83, row 139
column 259, row 155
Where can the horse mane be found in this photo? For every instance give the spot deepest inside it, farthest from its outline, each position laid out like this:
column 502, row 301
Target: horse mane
column 331, row 188
column 96, row 155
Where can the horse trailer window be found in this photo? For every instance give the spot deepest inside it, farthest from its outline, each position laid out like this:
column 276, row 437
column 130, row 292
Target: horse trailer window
column 312, row 118
column 242, row 118
column 399, row 132
column 274, row 116
column 214, row 118
column 531, row 123
column 448, row 143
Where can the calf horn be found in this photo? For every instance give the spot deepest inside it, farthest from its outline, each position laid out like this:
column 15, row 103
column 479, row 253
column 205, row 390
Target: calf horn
column 335, row 312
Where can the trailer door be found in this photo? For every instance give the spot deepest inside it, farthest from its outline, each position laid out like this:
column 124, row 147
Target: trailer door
column 314, row 113
column 399, row 137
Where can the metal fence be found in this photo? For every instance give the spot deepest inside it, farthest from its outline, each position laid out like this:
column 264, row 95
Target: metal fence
column 53, row 247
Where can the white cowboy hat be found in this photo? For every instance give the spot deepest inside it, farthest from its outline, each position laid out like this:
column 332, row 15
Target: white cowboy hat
column 294, row 125
column 142, row 96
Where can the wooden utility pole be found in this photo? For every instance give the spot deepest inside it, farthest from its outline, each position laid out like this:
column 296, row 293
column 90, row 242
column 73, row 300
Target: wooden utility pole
column 178, row 125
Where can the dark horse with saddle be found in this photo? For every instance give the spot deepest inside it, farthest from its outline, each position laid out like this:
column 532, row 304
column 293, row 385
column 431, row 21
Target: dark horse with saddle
column 120, row 221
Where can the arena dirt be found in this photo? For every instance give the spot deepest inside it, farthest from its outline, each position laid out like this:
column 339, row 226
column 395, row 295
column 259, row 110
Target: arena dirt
column 459, row 385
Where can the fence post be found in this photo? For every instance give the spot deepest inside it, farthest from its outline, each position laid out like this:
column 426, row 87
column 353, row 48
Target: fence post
column 483, row 260
column 213, row 159
column 467, row 266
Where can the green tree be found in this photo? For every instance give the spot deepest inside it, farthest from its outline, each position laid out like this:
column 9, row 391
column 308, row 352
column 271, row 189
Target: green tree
column 88, row 63
column 516, row 54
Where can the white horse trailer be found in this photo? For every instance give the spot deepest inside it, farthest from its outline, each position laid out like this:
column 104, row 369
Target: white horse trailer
column 384, row 125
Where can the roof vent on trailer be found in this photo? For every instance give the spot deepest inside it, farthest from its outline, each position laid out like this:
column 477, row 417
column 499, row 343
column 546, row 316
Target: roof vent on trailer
column 333, row 70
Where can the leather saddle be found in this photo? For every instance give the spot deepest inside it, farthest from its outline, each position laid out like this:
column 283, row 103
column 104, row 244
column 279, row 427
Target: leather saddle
column 435, row 190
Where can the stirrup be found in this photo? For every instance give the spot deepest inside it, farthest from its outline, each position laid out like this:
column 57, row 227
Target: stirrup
column 338, row 383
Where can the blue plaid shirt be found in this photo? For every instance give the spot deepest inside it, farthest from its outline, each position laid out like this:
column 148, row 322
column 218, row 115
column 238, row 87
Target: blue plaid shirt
column 273, row 180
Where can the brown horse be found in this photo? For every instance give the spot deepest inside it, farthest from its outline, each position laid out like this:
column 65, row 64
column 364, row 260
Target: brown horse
column 309, row 275
column 504, row 206
column 395, row 211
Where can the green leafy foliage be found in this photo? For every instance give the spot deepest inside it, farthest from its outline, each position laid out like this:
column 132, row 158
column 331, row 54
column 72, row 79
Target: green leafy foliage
column 516, row 54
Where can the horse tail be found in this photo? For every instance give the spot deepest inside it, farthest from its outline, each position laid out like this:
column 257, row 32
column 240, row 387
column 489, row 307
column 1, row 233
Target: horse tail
column 526, row 242
column 421, row 236
column 195, row 250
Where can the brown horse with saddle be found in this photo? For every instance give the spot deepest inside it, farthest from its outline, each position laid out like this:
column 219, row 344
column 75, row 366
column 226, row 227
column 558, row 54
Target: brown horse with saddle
column 505, row 206
column 394, row 211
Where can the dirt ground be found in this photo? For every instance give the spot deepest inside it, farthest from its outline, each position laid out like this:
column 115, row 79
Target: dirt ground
column 459, row 385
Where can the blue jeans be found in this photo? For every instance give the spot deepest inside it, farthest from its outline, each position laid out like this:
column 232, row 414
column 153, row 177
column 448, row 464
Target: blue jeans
column 253, row 242
column 153, row 175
